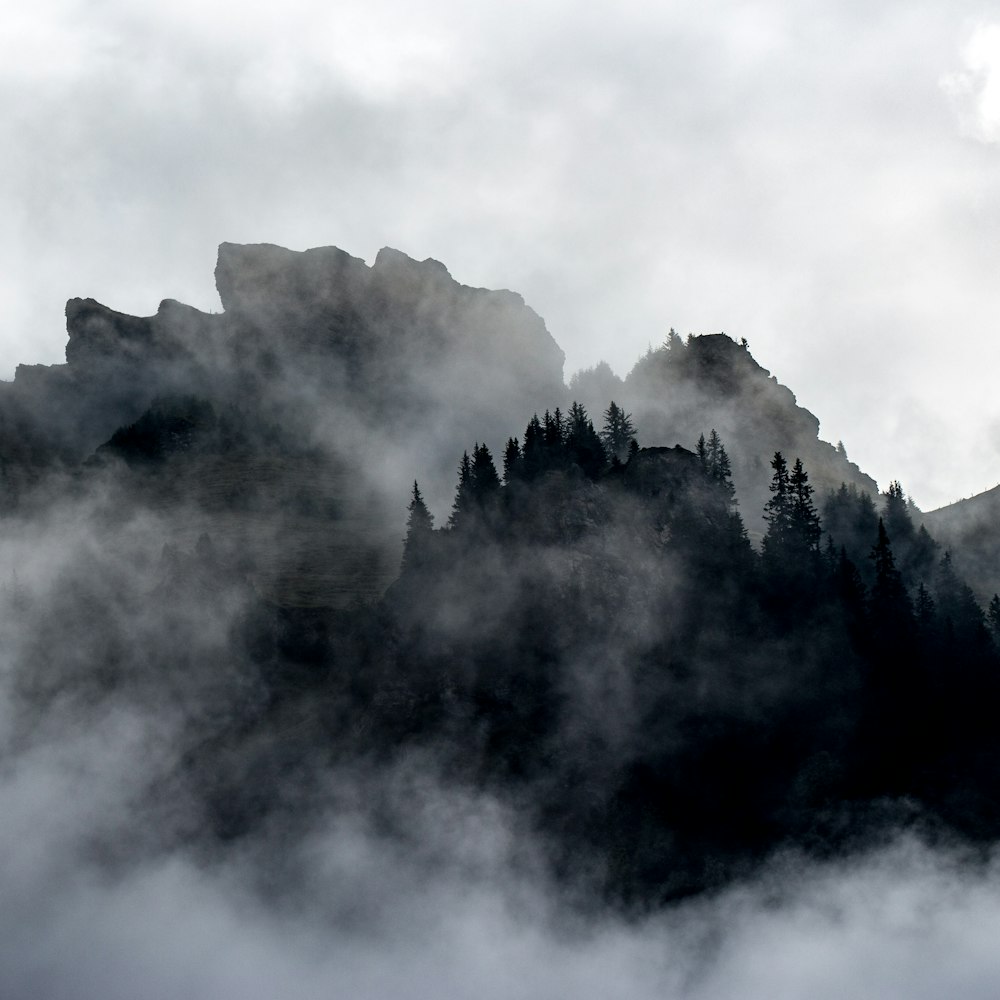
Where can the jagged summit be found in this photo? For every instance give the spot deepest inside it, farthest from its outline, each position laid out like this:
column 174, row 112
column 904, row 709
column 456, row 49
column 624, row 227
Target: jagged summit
column 392, row 369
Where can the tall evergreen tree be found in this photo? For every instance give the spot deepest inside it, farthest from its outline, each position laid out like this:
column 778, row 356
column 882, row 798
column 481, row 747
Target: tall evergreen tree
column 463, row 495
column 890, row 606
column 897, row 515
column 993, row 618
column 533, row 449
column 716, row 464
column 674, row 343
column 804, row 521
column 583, row 446
column 701, row 450
column 959, row 610
column 419, row 530
column 618, row 431
column 778, row 514
column 485, row 481
column 511, row 461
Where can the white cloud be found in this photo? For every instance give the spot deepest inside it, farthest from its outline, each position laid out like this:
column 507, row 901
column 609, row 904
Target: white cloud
column 975, row 91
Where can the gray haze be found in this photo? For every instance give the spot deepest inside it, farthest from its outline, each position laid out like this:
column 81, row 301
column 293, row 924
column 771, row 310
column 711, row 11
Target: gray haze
column 820, row 180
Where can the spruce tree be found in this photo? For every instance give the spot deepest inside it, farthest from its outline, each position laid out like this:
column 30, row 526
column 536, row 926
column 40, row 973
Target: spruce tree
column 419, row 530
column 533, row 449
column 890, row 606
column 993, row 618
column 583, row 446
column 485, row 481
column 463, row 495
column 617, row 432
column 511, row 461
column 804, row 522
column 778, row 514
column 716, row 464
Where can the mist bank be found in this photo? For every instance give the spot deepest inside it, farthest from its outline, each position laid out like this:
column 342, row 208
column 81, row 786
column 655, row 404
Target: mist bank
column 639, row 718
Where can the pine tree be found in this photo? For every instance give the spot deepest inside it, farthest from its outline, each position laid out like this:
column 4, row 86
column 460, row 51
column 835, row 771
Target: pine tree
column 583, row 446
column 419, row 531
column 890, row 605
column 511, row 461
column 674, row 343
column 958, row 607
column 533, row 450
column 618, row 431
column 463, row 495
column 804, row 521
column 484, row 482
column 715, row 463
column 778, row 514
column 897, row 516
column 993, row 618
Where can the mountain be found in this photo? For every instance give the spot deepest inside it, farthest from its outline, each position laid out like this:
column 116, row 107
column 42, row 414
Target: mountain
column 228, row 634
column 373, row 376
column 376, row 376
column 970, row 529
column 682, row 390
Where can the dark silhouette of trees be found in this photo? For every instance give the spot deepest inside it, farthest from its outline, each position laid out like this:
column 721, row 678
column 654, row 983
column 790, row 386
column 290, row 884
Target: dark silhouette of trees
column 851, row 519
column 583, row 446
column 890, row 605
column 618, row 432
column 512, row 461
column 778, row 513
column 463, row 503
column 993, row 618
column 419, row 529
column 716, row 463
column 485, row 482
column 533, row 449
column 804, row 522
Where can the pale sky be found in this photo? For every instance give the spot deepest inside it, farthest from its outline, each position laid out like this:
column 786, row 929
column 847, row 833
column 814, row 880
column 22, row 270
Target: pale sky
column 822, row 179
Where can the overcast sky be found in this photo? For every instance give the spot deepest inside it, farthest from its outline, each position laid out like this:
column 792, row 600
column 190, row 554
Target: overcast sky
column 819, row 178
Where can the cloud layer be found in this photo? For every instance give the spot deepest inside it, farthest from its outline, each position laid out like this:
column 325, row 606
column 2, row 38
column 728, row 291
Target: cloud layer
column 819, row 183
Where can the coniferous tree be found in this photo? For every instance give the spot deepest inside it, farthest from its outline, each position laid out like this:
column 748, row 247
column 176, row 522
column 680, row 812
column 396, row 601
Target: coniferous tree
column 533, row 450
column 511, row 461
column 890, row 605
column 804, row 521
column 583, row 446
column 463, row 495
column 960, row 612
column 701, row 450
column 778, row 514
column 674, row 343
column 993, row 618
column 618, row 431
column 715, row 462
column 419, row 530
column 897, row 515
column 485, row 481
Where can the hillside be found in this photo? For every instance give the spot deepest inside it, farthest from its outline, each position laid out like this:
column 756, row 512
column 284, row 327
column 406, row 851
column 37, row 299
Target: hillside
column 971, row 530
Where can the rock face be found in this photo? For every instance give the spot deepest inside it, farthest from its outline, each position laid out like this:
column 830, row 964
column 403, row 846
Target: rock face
column 369, row 378
column 382, row 374
column 683, row 390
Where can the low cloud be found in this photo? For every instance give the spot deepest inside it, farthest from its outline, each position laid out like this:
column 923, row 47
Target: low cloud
column 975, row 90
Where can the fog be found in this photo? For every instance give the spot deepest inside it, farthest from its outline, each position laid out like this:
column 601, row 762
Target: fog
column 464, row 916
column 821, row 183
column 373, row 878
